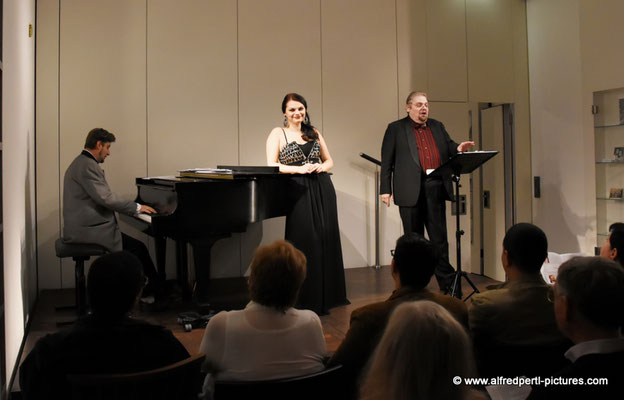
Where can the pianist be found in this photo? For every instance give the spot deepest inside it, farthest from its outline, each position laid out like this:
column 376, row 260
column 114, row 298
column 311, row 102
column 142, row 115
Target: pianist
column 89, row 207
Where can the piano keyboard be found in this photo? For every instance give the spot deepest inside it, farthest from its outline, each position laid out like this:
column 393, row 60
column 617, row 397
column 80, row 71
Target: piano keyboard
column 145, row 217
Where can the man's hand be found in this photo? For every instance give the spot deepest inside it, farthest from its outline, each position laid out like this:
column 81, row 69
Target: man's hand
column 463, row 146
column 386, row 198
column 147, row 209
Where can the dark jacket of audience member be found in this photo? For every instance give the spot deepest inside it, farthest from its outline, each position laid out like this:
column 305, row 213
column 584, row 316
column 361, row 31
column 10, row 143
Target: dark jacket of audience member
column 589, row 298
column 518, row 314
column 413, row 265
column 106, row 341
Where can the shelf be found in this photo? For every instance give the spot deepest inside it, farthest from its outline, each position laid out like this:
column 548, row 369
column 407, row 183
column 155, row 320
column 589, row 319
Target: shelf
column 607, row 126
column 608, row 135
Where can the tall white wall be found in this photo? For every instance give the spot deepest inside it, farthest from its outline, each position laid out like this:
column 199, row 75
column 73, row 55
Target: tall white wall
column 558, row 150
column 573, row 52
column 18, row 173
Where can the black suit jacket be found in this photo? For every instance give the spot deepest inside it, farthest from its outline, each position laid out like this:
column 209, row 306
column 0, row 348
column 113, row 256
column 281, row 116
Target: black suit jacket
column 400, row 163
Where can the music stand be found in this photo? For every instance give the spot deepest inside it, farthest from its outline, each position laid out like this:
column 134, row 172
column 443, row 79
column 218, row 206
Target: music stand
column 461, row 163
column 377, row 164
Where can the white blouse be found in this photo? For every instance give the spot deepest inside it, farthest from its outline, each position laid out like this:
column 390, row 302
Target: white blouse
column 260, row 343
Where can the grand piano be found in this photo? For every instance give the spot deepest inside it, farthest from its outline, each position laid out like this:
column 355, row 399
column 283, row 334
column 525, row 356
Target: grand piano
column 201, row 210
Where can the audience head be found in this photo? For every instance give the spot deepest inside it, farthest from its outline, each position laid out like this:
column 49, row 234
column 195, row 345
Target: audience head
column 589, row 296
column 421, row 350
column 415, row 259
column 525, row 247
column 613, row 248
column 277, row 272
column 98, row 135
column 114, row 283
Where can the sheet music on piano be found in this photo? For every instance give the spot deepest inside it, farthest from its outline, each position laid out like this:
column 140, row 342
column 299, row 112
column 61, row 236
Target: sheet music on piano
column 223, row 173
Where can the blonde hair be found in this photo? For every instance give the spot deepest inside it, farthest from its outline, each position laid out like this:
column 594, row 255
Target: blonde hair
column 277, row 272
column 421, row 350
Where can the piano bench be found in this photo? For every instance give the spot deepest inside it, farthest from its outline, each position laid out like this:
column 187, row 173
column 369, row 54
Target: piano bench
column 79, row 252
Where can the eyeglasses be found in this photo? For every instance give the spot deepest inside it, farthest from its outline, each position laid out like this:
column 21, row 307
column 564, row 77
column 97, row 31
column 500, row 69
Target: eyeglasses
column 550, row 294
column 392, row 252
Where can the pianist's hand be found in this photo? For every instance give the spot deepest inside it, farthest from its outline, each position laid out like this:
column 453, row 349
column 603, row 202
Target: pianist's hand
column 147, row 209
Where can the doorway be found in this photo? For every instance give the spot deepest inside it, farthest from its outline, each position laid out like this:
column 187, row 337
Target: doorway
column 497, row 184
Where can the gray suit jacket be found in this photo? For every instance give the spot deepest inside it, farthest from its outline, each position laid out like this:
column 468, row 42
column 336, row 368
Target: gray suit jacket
column 89, row 205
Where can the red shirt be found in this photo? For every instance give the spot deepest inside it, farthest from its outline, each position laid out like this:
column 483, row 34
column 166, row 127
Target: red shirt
column 427, row 148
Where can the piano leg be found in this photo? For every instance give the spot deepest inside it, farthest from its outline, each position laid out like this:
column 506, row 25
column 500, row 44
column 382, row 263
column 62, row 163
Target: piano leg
column 160, row 243
column 182, row 269
column 201, row 255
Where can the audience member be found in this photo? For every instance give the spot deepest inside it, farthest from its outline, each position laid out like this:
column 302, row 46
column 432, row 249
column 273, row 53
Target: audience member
column 269, row 339
column 107, row 340
column 413, row 265
column 613, row 248
column 589, row 298
column 518, row 314
column 422, row 349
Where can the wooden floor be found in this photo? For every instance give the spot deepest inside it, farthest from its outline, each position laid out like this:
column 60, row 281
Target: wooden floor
column 364, row 286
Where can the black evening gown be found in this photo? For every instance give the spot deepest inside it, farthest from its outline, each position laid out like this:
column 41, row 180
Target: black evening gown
column 312, row 227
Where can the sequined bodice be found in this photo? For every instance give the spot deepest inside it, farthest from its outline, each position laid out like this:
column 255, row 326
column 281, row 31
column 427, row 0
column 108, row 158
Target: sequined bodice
column 298, row 154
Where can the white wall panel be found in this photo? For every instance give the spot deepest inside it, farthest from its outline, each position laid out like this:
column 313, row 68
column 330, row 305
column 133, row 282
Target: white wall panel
column 445, row 38
column 18, row 177
column 359, row 100
column 192, row 97
column 412, row 49
column 522, row 120
column 490, row 50
column 279, row 52
column 556, row 119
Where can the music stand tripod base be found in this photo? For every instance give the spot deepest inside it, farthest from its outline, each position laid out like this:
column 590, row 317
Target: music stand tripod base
column 461, row 163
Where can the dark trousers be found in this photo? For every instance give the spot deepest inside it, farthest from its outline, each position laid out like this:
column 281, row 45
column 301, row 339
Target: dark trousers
column 430, row 213
column 138, row 248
